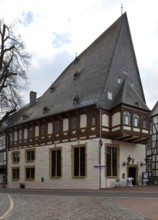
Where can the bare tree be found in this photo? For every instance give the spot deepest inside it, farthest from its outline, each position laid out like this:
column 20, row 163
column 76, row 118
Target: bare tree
column 14, row 61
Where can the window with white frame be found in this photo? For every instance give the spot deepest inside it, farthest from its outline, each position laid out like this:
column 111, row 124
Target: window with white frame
column 135, row 120
column 126, row 118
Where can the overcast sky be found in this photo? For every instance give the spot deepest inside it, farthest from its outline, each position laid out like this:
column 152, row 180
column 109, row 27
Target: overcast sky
column 54, row 31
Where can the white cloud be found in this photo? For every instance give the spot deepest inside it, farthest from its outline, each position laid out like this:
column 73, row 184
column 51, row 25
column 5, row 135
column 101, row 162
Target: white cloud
column 57, row 29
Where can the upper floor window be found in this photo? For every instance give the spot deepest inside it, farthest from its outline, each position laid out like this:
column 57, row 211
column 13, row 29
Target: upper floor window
column 73, row 123
column 16, row 157
column 126, row 118
column 112, row 158
column 2, row 142
column 144, row 122
column 93, row 121
column 57, row 127
column 30, row 155
column 11, row 137
column 42, row 130
column 20, row 134
column 135, row 120
column 30, row 133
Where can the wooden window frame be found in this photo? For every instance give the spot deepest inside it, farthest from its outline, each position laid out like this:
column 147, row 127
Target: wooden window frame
column 79, row 166
column 43, row 130
column 30, row 155
column 15, row 173
column 73, row 123
column 31, row 132
column 30, row 178
column 57, row 126
column 56, row 165
column 126, row 118
column 110, row 167
column 135, row 120
column 20, row 134
column 93, row 121
column 15, row 156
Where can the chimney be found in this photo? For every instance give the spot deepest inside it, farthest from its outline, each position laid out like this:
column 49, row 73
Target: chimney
column 33, row 96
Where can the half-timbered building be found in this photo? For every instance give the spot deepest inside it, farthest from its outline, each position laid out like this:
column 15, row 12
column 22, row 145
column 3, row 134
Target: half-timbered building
column 151, row 160
column 91, row 125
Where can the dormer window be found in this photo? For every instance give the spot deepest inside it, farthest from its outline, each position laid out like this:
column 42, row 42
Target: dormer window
column 76, row 75
column 137, row 104
column 25, row 117
column 110, row 95
column 52, row 88
column 119, row 80
column 76, row 100
column 45, row 109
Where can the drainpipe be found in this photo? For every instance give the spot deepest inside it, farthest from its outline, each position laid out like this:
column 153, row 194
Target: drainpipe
column 100, row 143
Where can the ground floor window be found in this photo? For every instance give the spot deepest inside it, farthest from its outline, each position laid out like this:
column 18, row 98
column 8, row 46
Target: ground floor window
column 112, row 158
column 56, row 163
column 79, row 161
column 15, row 173
column 30, row 173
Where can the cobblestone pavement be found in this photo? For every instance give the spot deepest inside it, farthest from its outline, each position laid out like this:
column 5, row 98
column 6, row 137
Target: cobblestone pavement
column 48, row 207
column 147, row 206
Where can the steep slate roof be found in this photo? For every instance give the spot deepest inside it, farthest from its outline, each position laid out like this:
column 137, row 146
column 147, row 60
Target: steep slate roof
column 127, row 95
column 96, row 70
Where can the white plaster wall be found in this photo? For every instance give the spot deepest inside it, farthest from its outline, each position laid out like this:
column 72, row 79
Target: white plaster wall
column 83, row 121
column 105, row 120
column 66, row 181
column 65, row 124
column 91, row 181
column 50, row 128
column 36, row 130
column 116, row 119
column 25, row 133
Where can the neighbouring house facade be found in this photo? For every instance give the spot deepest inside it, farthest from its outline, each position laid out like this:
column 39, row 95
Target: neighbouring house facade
column 91, row 125
column 3, row 155
column 152, row 148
